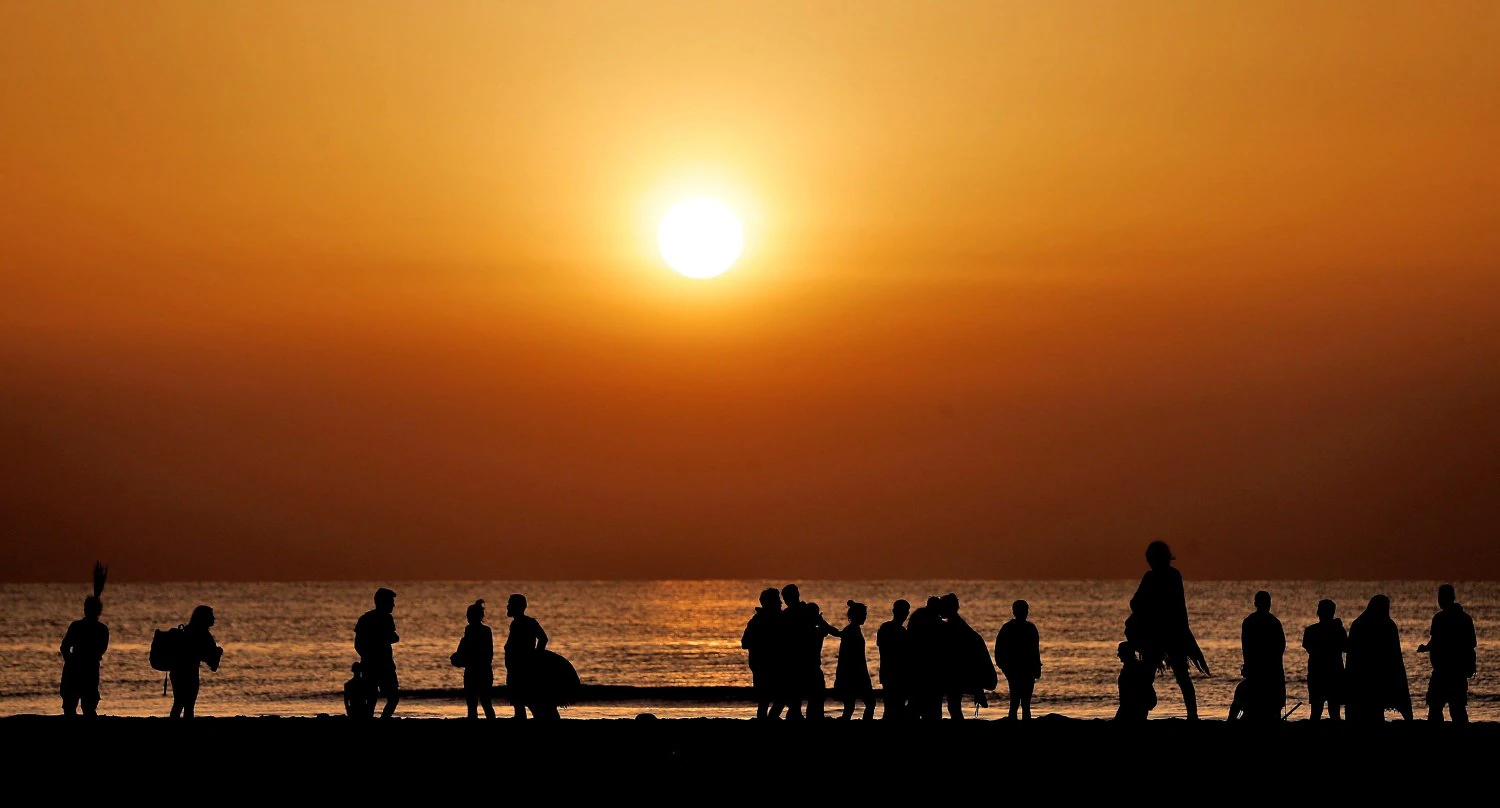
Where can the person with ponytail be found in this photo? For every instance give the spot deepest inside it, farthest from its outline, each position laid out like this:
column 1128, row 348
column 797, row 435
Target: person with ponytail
column 82, row 650
column 851, row 679
column 476, row 655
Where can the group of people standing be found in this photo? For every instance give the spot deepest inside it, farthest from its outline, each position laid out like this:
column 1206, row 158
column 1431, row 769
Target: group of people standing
column 929, row 657
column 530, row 674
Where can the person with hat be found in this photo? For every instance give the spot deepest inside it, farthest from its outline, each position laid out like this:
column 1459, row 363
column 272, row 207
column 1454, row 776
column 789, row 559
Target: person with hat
column 374, row 635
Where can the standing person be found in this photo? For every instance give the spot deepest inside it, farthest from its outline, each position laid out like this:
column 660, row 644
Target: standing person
column 1263, row 644
column 198, row 648
column 1018, row 652
column 82, row 650
column 1325, row 642
column 476, row 655
column 761, row 639
column 374, row 635
column 522, row 674
column 1376, row 675
column 925, row 641
column 968, row 669
column 1158, row 624
column 1451, row 648
column 851, row 680
column 816, row 687
column 895, row 660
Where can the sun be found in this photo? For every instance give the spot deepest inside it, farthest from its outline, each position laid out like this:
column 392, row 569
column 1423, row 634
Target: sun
column 700, row 237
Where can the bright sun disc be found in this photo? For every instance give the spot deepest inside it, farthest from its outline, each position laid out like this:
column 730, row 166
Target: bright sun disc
column 700, row 238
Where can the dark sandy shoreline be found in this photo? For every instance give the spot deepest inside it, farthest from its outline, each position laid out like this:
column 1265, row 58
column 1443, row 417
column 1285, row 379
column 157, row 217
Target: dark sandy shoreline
column 1076, row 755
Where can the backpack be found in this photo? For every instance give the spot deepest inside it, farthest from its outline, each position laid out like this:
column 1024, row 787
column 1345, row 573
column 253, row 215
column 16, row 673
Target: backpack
column 167, row 647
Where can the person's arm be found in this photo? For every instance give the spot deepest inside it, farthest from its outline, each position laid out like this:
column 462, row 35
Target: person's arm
column 827, row 629
column 395, row 638
column 541, row 638
column 745, row 638
column 67, row 644
column 105, row 646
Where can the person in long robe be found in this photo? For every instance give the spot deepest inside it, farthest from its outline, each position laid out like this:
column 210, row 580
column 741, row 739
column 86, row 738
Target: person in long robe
column 1376, row 672
column 1263, row 644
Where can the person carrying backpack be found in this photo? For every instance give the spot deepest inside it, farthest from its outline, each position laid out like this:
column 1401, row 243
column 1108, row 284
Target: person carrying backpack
column 195, row 647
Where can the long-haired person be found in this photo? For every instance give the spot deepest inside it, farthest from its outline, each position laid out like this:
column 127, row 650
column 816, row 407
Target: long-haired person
column 197, row 648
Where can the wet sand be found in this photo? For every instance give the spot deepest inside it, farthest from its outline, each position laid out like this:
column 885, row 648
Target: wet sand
column 438, row 759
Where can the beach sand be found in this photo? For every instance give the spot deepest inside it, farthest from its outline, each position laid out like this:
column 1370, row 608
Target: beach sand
column 434, row 760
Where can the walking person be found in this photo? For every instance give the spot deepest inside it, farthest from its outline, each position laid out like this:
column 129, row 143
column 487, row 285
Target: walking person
column 1158, row 624
column 197, row 648
column 1451, row 649
column 82, row 650
column 476, row 655
column 1018, row 653
column 851, row 680
column 374, row 638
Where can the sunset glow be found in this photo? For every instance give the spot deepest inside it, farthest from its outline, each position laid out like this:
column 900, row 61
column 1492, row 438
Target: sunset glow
column 700, row 238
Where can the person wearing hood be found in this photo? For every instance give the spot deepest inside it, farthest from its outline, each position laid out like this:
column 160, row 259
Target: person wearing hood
column 1376, row 674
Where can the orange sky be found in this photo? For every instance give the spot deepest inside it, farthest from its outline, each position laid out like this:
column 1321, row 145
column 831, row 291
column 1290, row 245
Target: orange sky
column 304, row 290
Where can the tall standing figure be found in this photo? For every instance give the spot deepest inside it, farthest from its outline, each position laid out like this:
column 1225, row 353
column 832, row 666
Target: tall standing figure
column 895, row 661
column 476, row 655
column 968, row 667
column 374, row 636
column 82, row 650
column 763, row 642
column 1325, row 642
column 1018, row 653
column 197, row 648
column 851, row 680
column 523, row 646
column 925, row 638
column 1263, row 643
column 1158, row 624
column 1376, row 675
column 1451, row 648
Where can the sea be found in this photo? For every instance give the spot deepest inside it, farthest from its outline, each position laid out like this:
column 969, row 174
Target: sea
column 288, row 646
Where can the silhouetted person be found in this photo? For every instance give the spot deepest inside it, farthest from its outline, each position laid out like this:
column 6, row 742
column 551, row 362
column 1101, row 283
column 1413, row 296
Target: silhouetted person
column 82, row 649
column 1376, row 674
column 1263, row 644
column 1137, row 682
column 1158, row 624
column 1325, row 642
column 358, row 702
column 816, row 685
column 374, row 636
column 476, row 655
column 1018, row 652
column 926, row 636
column 851, row 679
column 895, row 660
column 1451, row 648
column 522, row 674
column 967, row 660
column 198, row 648
column 761, row 639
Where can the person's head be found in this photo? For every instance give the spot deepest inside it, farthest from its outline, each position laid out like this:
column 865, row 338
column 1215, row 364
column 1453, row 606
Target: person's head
column 770, row 599
column 900, row 609
column 1020, row 609
column 791, row 594
column 476, row 612
column 1326, row 609
column 1159, row 555
column 934, row 603
column 354, row 669
column 516, row 605
column 1126, row 653
column 385, row 600
column 203, row 617
column 857, row 613
column 948, row 604
column 1380, row 606
column 1263, row 601
column 92, row 607
column 1446, row 596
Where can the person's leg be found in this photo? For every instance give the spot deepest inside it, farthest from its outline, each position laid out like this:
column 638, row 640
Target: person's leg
column 471, row 698
column 956, row 706
column 391, row 686
column 1027, row 688
column 189, row 694
column 1015, row 699
column 91, row 702
column 69, row 703
column 1458, row 701
column 869, row 707
column 1184, row 678
column 848, row 713
column 1333, row 709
